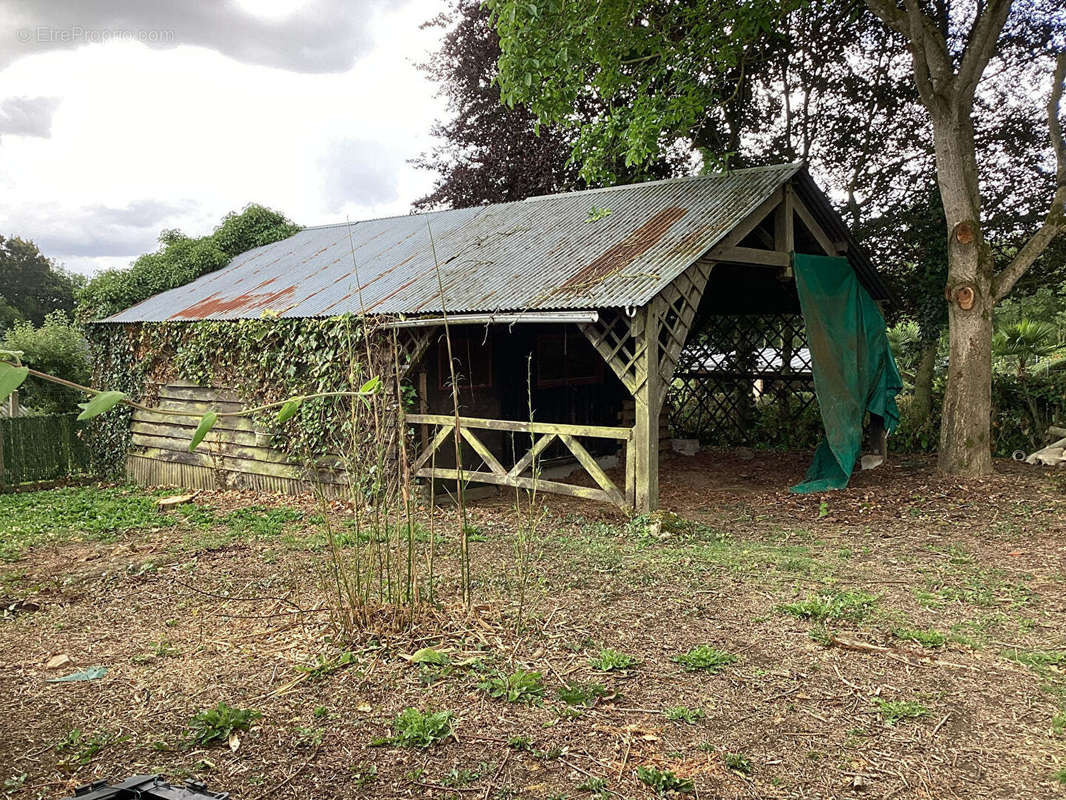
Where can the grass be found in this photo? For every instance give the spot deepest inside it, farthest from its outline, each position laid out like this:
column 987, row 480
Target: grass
column 892, row 711
column 521, row 686
column 707, row 658
column 609, row 660
column 421, row 729
column 31, row 519
column 841, row 606
column 216, row 724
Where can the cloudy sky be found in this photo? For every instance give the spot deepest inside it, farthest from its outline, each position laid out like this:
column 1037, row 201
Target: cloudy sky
column 120, row 118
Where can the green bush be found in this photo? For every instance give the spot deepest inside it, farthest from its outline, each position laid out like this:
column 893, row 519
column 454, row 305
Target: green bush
column 56, row 347
column 181, row 259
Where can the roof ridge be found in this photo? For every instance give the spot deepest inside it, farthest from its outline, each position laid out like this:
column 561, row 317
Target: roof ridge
column 784, row 167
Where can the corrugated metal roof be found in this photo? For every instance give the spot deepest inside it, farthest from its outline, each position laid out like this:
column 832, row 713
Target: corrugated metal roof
column 540, row 253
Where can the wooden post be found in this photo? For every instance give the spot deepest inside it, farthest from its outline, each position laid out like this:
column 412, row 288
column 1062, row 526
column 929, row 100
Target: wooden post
column 13, row 404
column 784, row 226
column 646, row 431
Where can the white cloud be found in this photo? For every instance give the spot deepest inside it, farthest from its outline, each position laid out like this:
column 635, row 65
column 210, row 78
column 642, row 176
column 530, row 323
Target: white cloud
column 147, row 138
column 27, row 116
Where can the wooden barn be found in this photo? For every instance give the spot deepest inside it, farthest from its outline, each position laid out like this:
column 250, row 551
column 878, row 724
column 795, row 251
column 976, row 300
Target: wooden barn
column 610, row 313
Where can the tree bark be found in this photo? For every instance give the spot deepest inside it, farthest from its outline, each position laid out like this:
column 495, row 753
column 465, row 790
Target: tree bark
column 923, row 380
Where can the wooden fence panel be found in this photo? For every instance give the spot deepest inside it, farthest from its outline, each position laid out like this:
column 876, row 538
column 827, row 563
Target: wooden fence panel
column 47, row 448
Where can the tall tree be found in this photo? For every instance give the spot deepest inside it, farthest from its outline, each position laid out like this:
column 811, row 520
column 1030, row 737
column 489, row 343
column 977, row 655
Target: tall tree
column 754, row 79
column 32, row 285
column 488, row 152
column 494, row 152
column 950, row 53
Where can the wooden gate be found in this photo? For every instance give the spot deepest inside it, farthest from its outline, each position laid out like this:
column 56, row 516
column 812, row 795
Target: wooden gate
column 524, row 475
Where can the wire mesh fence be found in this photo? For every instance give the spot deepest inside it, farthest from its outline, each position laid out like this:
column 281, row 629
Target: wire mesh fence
column 45, row 448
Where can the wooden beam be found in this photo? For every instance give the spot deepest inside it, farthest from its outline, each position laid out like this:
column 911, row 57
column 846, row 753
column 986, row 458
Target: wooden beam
column 442, row 434
column 587, row 492
column 592, row 468
column 753, row 255
column 816, row 230
column 595, row 431
column 525, row 461
column 481, row 450
column 784, row 222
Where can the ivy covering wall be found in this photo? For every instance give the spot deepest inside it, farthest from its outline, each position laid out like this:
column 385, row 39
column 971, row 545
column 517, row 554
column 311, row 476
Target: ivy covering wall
column 264, row 360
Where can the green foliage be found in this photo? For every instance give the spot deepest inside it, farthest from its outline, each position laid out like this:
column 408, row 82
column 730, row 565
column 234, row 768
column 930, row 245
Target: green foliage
column 892, row 711
column 216, row 724
column 705, row 657
column 1025, row 341
column 520, row 686
column 29, row 519
column 610, row 660
column 845, row 605
column 926, row 638
column 11, row 378
column 270, row 361
column 650, row 87
column 324, row 665
column 56, row 347
column 597, row 786
column 662, row 781
column 690, row 716
column 582, row 694
column 427, row 655
column 181, row 259
column 99, row 404
column 79, row 749
column 32, row 286
column 415, row 728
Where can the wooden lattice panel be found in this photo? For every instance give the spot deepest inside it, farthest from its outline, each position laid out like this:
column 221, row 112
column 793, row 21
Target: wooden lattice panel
column 732, row 370
column 676, row 306
column 617, row 339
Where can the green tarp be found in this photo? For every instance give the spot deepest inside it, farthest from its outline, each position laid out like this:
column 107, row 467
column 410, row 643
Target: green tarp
column 854, row 371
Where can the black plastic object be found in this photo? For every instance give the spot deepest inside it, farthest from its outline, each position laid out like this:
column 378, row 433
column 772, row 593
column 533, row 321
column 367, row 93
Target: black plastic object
column 146, row 787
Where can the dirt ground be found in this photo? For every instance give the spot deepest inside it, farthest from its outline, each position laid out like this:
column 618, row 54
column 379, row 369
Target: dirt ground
column 183, row 619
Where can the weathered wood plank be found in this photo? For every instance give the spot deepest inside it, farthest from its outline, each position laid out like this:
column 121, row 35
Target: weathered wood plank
column 595, row 431
column 752, row 255
column 592, row 468
column 442, row 434
column 212, row 447
column 525, row 461
column 586, row 492
column 178, row 431
column 481, row 450
column 812, row 225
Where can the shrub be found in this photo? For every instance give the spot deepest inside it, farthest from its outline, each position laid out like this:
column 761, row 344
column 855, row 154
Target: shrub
column 58, row 348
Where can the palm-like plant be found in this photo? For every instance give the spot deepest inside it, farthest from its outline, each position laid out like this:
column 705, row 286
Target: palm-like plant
column 1026, row 340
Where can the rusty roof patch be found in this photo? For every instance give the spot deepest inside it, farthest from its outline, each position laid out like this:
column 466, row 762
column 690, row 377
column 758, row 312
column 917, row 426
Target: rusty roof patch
column 622, row 254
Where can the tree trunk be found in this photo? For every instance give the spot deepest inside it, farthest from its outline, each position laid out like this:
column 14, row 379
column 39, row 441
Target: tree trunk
column 965, row 448
column 923, row 380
